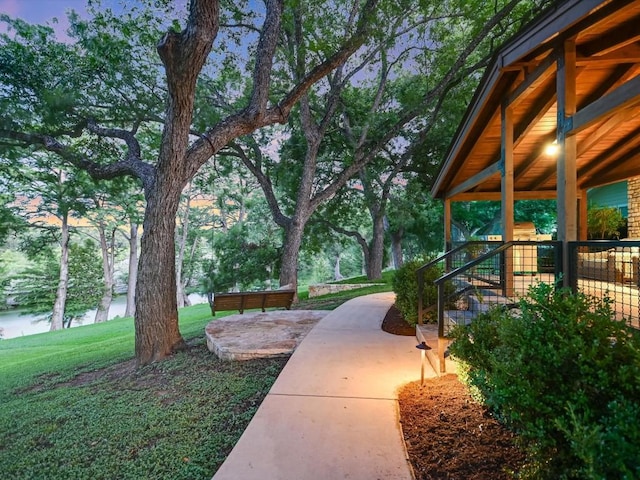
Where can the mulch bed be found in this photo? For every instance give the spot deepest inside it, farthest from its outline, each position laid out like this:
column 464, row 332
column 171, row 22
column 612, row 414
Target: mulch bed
column 447, row 434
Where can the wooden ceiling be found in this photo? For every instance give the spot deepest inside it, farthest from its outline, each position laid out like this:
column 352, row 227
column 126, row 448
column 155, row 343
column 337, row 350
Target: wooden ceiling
column 607, row 122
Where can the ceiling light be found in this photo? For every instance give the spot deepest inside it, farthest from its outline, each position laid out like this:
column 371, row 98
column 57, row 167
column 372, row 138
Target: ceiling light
column 552, row 149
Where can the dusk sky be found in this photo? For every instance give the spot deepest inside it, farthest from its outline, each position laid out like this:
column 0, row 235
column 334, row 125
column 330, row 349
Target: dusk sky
column 41, row 11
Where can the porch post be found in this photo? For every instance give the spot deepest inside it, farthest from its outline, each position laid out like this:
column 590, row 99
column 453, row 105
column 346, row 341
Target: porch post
column 447, row 224
column 567, row 176
column 507, row 196
column 582, row 217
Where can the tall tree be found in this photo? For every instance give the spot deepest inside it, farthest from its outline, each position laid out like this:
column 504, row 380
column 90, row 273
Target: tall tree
column 95, row 98
column 441, row 43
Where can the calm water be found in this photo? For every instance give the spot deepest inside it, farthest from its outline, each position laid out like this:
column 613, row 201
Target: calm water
column 14, row 324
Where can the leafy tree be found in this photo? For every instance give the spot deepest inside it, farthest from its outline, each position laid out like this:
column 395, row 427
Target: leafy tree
column 604, row 222
column 106, row 86
column 194, row 224
column 241, row 263
column 36, row 288
column 10, row 222
column 108, row 212
column 85, row 280
column 415, row 223
column 49, row 198
column 380, row 116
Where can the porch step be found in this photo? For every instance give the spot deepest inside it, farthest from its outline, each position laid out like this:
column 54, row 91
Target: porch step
column 479, row 303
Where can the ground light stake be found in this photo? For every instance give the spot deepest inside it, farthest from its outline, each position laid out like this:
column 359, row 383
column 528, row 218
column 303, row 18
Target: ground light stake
column 423, row 347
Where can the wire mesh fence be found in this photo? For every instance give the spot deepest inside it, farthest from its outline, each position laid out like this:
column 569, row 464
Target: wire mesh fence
column 481, row 274
column 608, row 269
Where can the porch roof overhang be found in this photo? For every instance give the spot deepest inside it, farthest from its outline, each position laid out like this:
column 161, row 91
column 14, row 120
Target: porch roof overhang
column 522, row 78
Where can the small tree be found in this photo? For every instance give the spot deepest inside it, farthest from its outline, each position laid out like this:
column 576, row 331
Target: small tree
column 604, row 223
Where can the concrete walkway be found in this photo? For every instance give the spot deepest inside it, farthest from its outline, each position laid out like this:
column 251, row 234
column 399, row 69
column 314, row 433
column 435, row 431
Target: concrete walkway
column 333, row 411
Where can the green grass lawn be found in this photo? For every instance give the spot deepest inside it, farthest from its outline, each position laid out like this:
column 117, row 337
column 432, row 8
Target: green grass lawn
column 73, row 405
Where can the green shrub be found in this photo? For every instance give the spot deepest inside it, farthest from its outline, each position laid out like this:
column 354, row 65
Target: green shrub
column 405, row 286
column 564, row 374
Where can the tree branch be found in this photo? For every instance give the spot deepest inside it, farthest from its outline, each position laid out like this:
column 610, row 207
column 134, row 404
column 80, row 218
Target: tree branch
column 263, row 180
column 129, row 166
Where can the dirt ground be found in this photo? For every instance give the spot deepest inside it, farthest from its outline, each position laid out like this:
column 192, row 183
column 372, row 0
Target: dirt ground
column 447, row 434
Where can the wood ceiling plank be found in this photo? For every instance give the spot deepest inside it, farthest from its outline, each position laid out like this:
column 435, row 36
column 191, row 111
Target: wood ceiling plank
column 626, row 95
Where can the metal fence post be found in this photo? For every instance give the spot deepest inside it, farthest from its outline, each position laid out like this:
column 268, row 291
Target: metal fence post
column 420, row 296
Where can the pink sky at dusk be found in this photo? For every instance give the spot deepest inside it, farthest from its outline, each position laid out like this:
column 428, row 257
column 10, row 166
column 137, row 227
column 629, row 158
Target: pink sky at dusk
column 43, row 11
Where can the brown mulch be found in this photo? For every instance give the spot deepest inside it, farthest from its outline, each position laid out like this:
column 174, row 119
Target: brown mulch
column 447, row 434
column 394, row 323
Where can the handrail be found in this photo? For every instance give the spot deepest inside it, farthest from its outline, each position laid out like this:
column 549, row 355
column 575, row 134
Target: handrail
column 440, row 282
column 482, row 258
column 444, row 256
column 451, row 252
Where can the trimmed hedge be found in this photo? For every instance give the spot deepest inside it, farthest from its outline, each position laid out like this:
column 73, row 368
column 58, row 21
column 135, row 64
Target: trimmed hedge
column 405, row 286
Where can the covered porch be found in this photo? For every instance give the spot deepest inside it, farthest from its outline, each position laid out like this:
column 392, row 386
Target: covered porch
column 556, row 113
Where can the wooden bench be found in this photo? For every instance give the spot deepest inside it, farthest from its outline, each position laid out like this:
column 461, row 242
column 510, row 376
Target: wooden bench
column 247, row 300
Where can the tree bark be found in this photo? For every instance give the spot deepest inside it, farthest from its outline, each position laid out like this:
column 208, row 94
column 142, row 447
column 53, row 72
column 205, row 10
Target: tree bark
column 130, row 309
column 57, row 315
column 107, row 249
column 290, row 253
column 396, row 248
column 376, row 249
column 156, row 326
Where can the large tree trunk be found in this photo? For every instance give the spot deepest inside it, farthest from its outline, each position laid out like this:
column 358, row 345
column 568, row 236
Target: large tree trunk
column 376, row 249
column 130, row 310
column 396, row 248
column 108, row 250
column 57, row 315
column 291, row 252
column 156, row 319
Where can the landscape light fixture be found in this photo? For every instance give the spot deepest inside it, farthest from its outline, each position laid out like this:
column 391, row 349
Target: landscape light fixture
column 423, row 347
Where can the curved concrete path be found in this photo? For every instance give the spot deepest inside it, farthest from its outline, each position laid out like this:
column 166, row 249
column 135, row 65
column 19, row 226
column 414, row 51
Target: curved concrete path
column 333, row 411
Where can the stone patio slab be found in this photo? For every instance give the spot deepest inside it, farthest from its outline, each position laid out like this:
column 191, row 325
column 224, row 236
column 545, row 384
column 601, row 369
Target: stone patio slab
column 260, row 334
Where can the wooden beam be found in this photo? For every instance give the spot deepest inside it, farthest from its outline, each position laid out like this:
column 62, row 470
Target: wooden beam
column 618, row 76
column 534, row 155
column 621, row 168
column 496, row 196
column 538, row 110
column 603, row 162
column 475, row 180
column 447, row 224
column 624, row 96
column 624, row 34
column 566, row 164
column 542, row 179
column 605, row 129
column 532, row 80
column 582, row 216
column 545, row 36
column 607, row 61
column 506, row 190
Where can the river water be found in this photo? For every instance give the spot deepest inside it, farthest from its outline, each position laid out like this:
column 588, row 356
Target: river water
column 14, row 324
